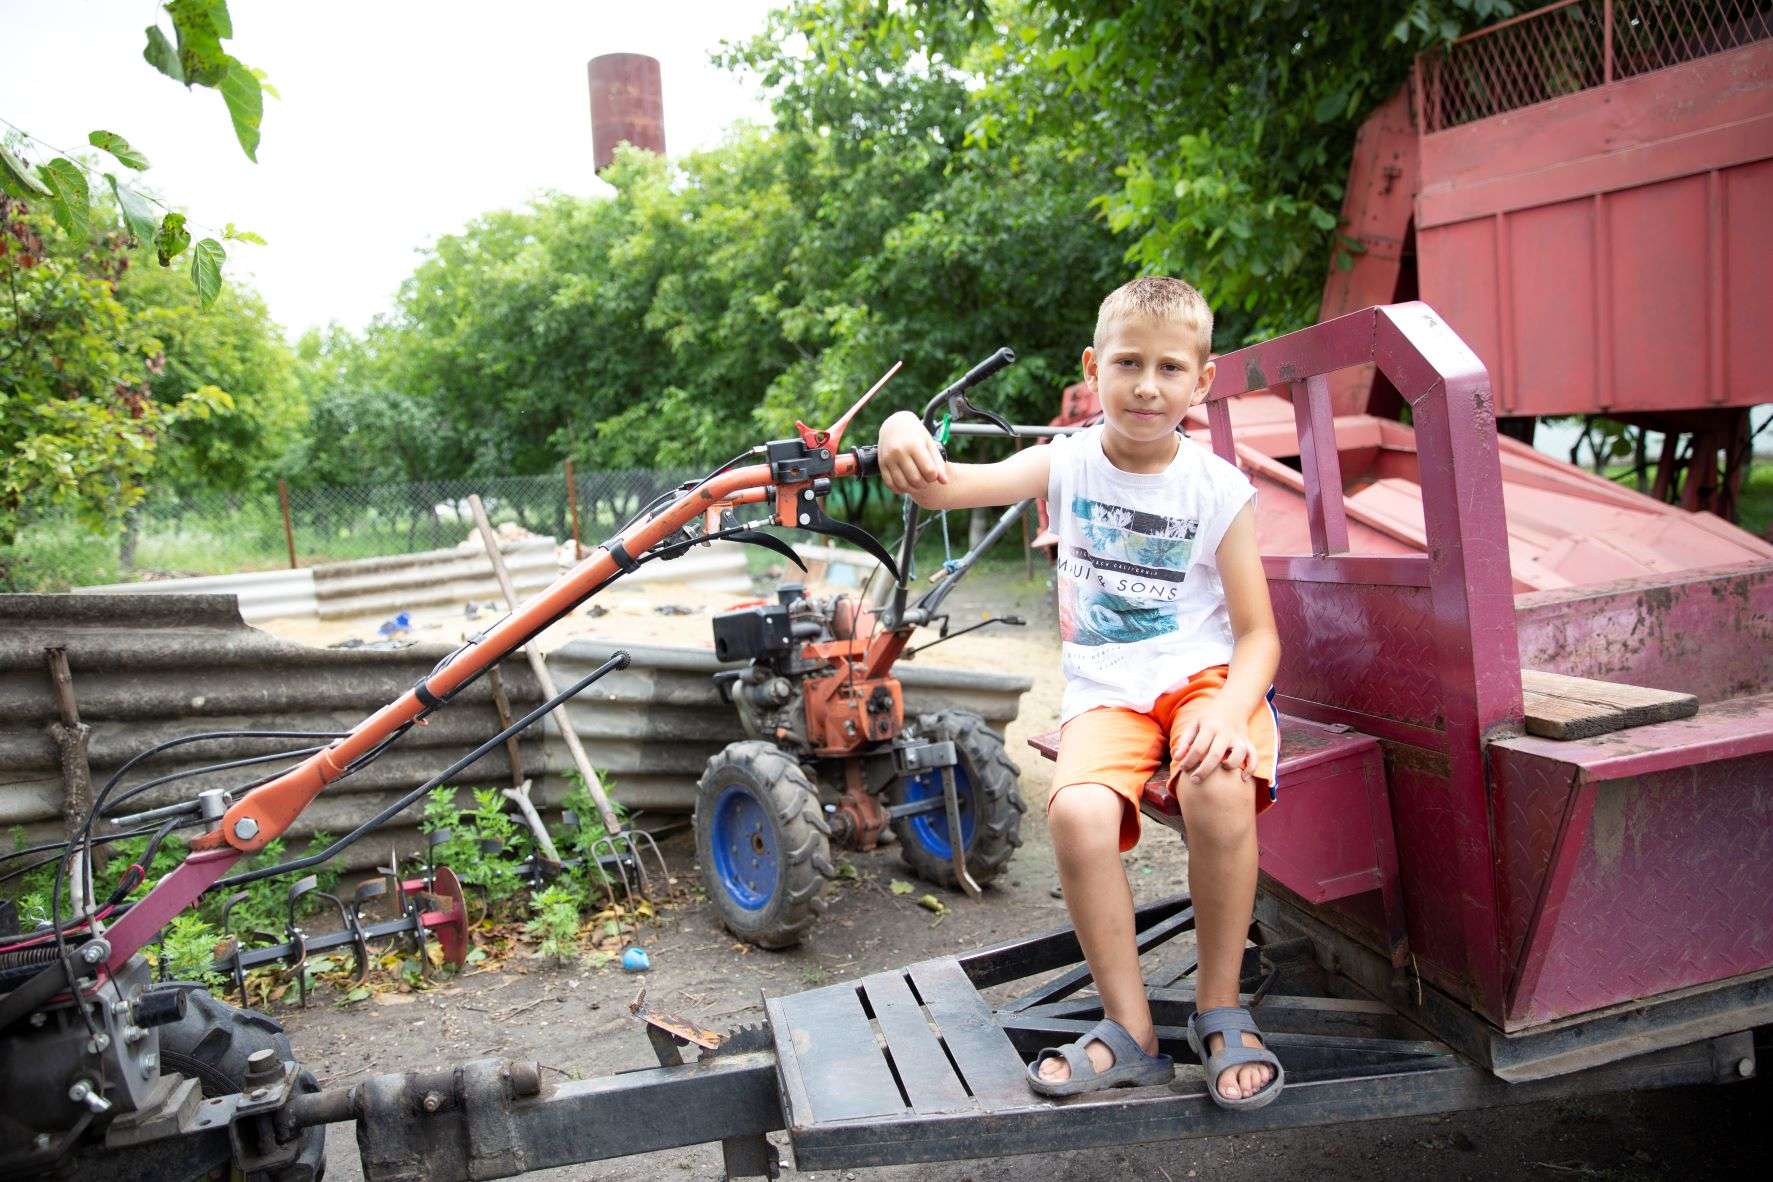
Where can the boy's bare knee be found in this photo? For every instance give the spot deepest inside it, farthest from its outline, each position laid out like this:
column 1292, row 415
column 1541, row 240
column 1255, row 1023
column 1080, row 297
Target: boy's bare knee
column 1082, row 816
column 1221, row 807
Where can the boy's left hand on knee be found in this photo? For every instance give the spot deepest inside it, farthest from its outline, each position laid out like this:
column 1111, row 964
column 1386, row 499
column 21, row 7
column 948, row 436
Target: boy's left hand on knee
column 1215, row 738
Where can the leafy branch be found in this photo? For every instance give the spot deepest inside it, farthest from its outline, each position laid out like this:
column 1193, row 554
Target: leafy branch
column 193, row 56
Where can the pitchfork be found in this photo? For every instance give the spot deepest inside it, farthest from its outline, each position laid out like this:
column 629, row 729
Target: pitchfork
column 619, row 845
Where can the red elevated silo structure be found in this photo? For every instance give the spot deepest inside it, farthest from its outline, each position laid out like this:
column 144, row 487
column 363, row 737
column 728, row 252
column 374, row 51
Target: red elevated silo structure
column 627, row 105
column 1585, row 192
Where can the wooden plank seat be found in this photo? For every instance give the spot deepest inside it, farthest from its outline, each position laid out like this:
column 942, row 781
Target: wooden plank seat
column 1562, row 707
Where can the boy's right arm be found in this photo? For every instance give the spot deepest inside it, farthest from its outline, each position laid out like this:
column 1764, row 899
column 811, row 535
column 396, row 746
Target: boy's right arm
column 912, row 465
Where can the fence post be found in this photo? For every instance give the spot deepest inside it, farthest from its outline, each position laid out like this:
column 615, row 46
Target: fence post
column 288, row 528
column 1607, row 41
column 572, row 509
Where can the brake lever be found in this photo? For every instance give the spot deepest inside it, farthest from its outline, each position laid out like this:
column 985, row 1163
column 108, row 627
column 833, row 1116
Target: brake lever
column 814, row 519
column 954, row 399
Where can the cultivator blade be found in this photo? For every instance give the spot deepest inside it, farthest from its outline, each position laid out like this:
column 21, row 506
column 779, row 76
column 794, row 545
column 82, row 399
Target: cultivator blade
column 447, row 918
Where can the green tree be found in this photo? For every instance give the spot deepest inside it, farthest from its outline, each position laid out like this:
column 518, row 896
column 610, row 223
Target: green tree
column 235, row 346
column 79, row 422
column 1225, row 125
column 360, row 427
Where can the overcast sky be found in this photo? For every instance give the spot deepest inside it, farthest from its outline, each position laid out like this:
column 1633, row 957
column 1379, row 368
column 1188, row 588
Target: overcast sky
column 399, row 119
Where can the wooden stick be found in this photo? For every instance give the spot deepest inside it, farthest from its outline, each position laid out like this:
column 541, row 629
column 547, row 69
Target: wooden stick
column 70, row 737
column 518, row 793
column 543, row 678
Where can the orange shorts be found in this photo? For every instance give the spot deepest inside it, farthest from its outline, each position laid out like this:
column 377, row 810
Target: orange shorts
column 1122, row 748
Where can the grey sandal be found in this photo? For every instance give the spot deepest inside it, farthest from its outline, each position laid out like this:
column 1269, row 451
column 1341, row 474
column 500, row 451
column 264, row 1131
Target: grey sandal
column 1132, row 1067
column 1227, row 1022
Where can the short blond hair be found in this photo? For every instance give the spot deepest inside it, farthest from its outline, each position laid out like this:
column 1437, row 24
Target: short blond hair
column 1158, row 297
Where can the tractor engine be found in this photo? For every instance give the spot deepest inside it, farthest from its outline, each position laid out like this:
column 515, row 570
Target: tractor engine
column 800, row 690
column 770, row 693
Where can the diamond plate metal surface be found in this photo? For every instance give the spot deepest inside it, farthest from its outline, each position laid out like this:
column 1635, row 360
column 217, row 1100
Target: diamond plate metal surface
column 1366, row 648
column 1673, row 887
column 1531, row 796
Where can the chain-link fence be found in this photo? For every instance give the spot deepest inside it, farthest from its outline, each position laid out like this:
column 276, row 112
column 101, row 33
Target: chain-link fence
column 207, row 533
column 1569, row 47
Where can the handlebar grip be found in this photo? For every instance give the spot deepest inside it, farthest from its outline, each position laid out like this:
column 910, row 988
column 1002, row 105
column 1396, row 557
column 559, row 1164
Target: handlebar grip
column 1002, row 359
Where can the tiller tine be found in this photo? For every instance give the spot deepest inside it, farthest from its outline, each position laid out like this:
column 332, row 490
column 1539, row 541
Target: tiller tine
column 448, row 920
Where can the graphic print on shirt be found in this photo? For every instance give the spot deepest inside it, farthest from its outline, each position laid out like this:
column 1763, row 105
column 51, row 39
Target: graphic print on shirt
column 1122, row 583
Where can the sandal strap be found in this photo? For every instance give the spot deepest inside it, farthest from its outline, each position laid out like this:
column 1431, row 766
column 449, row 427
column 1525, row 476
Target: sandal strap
column 1225, row 1021
column 1119, row 1041
column 1075, row 1058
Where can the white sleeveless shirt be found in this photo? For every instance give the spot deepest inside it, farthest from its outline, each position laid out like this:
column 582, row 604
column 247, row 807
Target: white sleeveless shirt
column 1141, row 606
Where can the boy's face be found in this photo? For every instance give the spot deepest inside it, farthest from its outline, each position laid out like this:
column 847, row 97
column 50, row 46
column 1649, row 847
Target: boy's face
column 1147, row 374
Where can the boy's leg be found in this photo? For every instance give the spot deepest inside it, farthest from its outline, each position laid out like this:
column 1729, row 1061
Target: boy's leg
column 1219, row 815
column 1221, row 824
column 1091, row 824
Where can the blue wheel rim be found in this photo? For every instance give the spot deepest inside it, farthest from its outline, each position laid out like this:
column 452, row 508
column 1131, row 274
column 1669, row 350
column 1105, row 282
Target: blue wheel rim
column 930, row 830
column 743, row 842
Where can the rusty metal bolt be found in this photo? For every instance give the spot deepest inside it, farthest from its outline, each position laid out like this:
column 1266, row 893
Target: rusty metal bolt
column 525, row 1077
column 432, row 1102
column 262, row 1064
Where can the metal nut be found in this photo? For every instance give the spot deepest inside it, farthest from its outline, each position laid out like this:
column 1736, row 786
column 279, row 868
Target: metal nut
column 150, row 1060
column 1745, row 1067
column 246, row 829
column 79, row 1091
column 41, row 1141
column 98, row 1043
column 94, row 951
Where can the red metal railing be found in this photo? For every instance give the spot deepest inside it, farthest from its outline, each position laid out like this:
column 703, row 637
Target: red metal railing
column 1571, row 46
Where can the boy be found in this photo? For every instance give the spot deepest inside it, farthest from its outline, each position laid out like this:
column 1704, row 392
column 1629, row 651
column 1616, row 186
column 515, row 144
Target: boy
column 1168, row 636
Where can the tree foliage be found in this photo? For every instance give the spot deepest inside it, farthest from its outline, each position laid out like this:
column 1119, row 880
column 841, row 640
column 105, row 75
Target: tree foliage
column 939, row 179
column 79, row 422
column 193, row 56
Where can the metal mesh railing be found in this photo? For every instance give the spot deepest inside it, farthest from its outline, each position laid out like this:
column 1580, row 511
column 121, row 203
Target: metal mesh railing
column 332, row 523
column 1573, row 46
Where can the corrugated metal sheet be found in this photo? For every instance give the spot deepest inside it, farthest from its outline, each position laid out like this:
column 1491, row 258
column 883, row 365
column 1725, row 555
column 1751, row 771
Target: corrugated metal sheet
column 382, row 586
column 263, row 595
column 148, row 668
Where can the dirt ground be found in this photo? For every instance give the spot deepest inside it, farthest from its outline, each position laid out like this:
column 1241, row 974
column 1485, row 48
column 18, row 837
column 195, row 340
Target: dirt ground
column 575, row 1020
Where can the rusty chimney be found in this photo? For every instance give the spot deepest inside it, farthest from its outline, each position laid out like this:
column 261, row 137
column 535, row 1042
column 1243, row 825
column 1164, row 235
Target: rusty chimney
column 627, row 103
